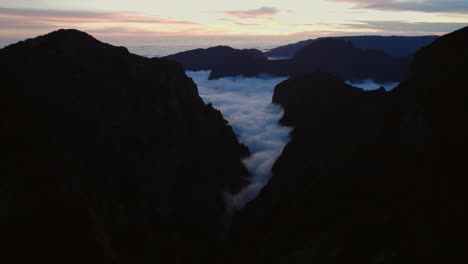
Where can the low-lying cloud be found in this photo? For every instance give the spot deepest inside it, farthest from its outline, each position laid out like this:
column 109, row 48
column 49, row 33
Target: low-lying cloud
column 246, row 104
column 369, row 85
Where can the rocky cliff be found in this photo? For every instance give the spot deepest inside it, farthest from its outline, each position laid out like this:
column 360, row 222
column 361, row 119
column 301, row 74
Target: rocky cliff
column 109, row 157
column 368, row 177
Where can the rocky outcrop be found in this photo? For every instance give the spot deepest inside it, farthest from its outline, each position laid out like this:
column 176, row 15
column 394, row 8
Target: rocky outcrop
column 109, row 157
column 368, row 177
column 391, row 45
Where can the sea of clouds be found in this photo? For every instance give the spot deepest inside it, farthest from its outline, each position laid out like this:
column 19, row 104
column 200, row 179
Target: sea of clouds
column 246, row 104
column 369, row 85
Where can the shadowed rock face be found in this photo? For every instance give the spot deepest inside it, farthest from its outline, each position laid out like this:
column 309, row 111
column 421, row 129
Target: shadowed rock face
column 109, row 157
column 368, row 177
column 333, row 55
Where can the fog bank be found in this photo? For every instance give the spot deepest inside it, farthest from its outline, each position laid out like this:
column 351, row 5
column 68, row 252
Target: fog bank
column 246, row 104
column 369, row 85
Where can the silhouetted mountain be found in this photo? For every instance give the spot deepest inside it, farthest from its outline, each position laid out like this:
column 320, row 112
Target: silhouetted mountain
column 109, row 157
column 341, row 58
column 368, row 177
column 233, row 61
column 391, row 45
column 333, row 55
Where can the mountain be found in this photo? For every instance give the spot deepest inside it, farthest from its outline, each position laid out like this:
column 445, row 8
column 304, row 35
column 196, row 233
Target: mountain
column 337, row 56
column 391, row 45
column 368, row 177
column 109, row 157
column 343, row 59
column 233, row 61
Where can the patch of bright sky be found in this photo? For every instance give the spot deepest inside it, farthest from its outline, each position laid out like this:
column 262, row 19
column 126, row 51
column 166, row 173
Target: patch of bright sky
column 322, row 17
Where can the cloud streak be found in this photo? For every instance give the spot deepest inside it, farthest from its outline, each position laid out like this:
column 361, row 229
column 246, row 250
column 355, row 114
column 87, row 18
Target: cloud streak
column 20, row 23
column 237, row 22
column 261, row 13
column 429, row 6
column 69, row 16
column 246, row 104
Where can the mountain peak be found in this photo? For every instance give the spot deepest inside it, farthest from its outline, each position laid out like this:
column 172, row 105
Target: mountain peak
column 65, row 41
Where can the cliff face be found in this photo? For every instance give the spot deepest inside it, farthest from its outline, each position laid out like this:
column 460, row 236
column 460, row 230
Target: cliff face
column 368, row 177
column 108, row 156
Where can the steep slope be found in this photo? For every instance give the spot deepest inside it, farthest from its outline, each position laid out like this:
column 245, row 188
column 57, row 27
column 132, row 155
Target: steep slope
column 109, row 157
column 391, row 45
column 368, row 177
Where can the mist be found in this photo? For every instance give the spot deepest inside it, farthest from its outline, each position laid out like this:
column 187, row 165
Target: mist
column 369, row 85
column 246, row 104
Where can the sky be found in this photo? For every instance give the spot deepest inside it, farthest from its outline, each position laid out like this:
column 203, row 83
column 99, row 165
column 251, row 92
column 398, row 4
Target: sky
column 136, row 20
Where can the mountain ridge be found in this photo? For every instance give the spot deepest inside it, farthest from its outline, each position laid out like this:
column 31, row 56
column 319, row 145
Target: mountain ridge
column 368, row 177
column 392, row 45
column 109, row 156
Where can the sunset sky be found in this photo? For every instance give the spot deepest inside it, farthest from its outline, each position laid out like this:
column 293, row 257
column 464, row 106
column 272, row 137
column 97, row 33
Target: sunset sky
column 140, row 19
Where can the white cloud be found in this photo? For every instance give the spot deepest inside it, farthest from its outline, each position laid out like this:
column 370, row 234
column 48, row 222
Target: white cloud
column 246, row 104
column 369, row 85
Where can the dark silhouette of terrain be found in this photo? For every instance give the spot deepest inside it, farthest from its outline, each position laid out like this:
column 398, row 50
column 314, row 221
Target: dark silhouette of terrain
column 368, row 177
column 392, row 45
column 228, row 58
column 337, row 56
column 108, row 157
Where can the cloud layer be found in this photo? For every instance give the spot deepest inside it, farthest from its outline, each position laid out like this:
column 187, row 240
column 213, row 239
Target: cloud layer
column 246, row 104
column 369, row 85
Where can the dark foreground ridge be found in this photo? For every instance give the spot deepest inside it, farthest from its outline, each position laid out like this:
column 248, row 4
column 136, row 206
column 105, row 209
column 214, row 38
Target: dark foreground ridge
column 108, row 157
column 333, row 55
column 368, row 177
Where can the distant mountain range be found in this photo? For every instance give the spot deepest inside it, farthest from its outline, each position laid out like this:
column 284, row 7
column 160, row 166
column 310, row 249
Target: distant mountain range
column 334, row 55
column 383, row 59
column 392, row 45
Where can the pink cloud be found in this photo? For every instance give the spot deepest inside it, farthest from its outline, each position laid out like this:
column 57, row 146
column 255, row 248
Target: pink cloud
column 79, row 17
column 262, row 13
